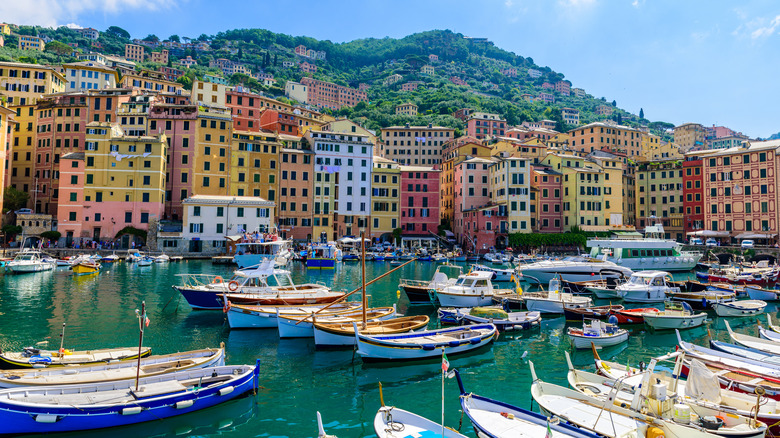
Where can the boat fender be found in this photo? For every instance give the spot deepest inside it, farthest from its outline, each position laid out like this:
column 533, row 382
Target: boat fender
column 46, row 418
column 233, row 286
column 704, row 303
column 183, row 404
column 654, row 432
column 428, row 347
column 218, row 280
column 131, row 411
column 475, row 341
column 454, row 343
column 226, row 390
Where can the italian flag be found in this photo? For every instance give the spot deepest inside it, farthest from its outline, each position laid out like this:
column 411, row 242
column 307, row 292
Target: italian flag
column 549, row 431
column 445, row 364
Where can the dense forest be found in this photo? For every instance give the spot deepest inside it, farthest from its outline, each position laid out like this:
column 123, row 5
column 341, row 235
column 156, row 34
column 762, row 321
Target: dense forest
column 477, row 62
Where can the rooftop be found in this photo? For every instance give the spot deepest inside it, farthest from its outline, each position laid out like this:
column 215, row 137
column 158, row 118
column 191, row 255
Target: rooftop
column 213, row 199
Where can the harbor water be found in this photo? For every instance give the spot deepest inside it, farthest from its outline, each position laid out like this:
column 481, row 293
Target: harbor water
column 296, row 380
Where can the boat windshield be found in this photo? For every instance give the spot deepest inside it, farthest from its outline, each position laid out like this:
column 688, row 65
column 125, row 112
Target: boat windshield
column 644, row 281
column 25, row 257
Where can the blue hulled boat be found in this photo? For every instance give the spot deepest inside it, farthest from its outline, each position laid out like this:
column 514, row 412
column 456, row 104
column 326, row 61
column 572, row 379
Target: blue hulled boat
column 73, row 408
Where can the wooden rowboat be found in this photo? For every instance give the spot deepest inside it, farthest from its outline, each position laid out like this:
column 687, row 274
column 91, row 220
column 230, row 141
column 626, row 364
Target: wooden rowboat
column 328, row 335
column 107, row 372
column 34, row 358
column 633, row 316
column 425, row 344
column 593, row 312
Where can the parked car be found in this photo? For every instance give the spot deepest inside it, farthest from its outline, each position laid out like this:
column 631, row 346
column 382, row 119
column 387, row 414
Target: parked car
column 697, row 241
column 712, row 242
column 747, row 243
column 24, row 211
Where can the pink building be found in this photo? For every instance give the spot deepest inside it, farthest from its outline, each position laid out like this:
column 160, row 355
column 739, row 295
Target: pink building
column 433, row 58
column 546, row 185
column 300, row 50
column 476, row 221
column 510, row 72
column 70, row 213
column 548, row 86
column 458, row 81
column 177, row 122
column 308, row 68
column 419, row 200
column 563, row 87
column 410, row 86
column 363, row 86
column 484, row 125
column 546, row 97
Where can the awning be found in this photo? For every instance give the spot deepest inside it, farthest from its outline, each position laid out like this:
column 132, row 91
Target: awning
column 709, row 233
column 756, row 236
column 449, row 233
column 595, row 228
column 627, row 233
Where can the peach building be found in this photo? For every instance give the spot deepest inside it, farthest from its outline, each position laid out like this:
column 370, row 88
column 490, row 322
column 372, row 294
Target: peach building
column 609, row 137
column 475, row 220
column 296, row 187
column 484, row 125
column 420, row 200
column 414, row 145
column 135, row 52
column 546, row 185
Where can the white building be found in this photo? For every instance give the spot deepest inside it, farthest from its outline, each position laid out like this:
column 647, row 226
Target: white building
column 210, row 93
column 297, row 91
column 534, row 73
column 89, row 75
column 92, row 56
column 212, row 218
column 342, row 183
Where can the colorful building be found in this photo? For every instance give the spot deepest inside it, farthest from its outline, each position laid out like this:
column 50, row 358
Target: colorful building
column 208, row 219
column 690, row 136
column 212, row 151
column 420, row 200
column 693, row 189
column 209, row 93
column 329, row 95
column 510, row 188
column 484, row 125
column 475, row 220
column 21, row 159
column 546, row 184
column 456, row 151
column 660, row 196
column 24, row 84
column 89, row 75
column 414, row 145
column 601, row 136
column 406, row 109
column 135, row 52
column 385, row 187
column 121, row 184
column 27, row 42
column 7, row 123
column 254, row 166
column 296, row 189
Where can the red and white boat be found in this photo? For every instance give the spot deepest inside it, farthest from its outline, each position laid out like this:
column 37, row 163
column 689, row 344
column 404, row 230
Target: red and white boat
column 633, row 316
column 766, row 276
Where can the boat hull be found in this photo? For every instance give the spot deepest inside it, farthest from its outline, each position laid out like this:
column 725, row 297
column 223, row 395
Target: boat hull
column 633, row 316
column 41, row 362
column 320, row 263
column 28, row 268
column 762, row 294
column 634, row 296
column 737, row 308
column 463, row 300
column 382, row 348
column 553, row 306
column 29, row 418
column 660, row 322
column 417, row 294
column 247, row 319
column 581, row 342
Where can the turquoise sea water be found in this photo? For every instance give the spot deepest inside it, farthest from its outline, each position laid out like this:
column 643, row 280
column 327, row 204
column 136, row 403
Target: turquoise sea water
column 296, row 380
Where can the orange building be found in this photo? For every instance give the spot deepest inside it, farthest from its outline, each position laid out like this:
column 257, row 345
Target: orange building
column 600, row 136
column 296, row 182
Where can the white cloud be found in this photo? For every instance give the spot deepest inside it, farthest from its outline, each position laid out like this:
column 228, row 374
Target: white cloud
column 508, row 3
column 53, row 13
column 577, row 3
column 765, row 31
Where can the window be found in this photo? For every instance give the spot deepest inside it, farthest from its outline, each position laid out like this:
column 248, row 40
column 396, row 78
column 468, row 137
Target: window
column 240, row 212
column 196, row 211
column 128, row 217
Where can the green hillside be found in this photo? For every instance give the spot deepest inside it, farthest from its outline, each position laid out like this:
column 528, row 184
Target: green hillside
column 477, row 62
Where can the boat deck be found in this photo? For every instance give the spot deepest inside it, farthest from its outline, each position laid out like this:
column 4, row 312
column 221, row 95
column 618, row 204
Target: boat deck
column 608, row 423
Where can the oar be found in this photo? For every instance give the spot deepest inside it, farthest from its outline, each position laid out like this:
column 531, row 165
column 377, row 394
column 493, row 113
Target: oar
column 361, row 287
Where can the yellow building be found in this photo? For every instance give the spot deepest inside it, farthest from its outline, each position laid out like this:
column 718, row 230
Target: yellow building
column 254, row 161
column 21, row 161
column 690, row 136
column 89, row 75
column 150, row 81
column 560, row 141
column 406, row 109
column 385, row 189
column 6, row 136
column 455, row 152
column 24, row 84
column 347, row 126
column 582, row 191
column 653, row 148
column 613, row 190
column 209, row 93
column 213, row 140
column 27, row 42
column 5, row 29
column 510, row 188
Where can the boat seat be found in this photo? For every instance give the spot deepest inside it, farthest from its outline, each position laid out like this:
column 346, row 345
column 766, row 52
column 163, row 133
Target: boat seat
column 157, row 389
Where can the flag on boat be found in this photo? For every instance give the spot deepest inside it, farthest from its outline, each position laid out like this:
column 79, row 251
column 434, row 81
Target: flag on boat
column 549, row 431
column 146, row 321
column 445, row 364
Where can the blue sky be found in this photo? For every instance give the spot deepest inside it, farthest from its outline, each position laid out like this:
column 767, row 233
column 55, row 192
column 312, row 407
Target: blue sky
column 711, row 62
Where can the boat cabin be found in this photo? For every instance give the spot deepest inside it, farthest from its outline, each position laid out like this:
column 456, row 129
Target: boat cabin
column 477, row 282
column 648, row 278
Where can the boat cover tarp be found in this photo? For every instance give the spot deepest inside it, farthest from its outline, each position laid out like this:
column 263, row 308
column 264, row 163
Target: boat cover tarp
column 702, row 383
column 485, row 312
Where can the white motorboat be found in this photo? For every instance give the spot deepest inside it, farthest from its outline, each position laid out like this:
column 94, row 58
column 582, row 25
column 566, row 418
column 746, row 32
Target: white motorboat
column 599, row 333
column 498, row 274
column 424, row 292
column 145, row 261
column 328, row 335
column 646, row 287
column 471, row 290
column 575, row 268
column 503, row 320
column 553, row 300
column 162, row 258
column 674, row 316
column 254, row 253
column 203, row 291
column 740, row 308
column 654, row 252
column 30, row 260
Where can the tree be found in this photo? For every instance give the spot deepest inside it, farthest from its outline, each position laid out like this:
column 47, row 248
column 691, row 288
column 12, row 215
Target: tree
column 641, row 113
column 614, row 103
column 174, row 38
column 275, row 55
column 10, row 231
column 58, row 47
column 118, row 32
column 151, row 38
column 14, row 199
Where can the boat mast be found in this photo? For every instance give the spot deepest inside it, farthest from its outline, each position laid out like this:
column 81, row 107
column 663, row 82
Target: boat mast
column 363, row 274
column 141, row 322
column 62, row 343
